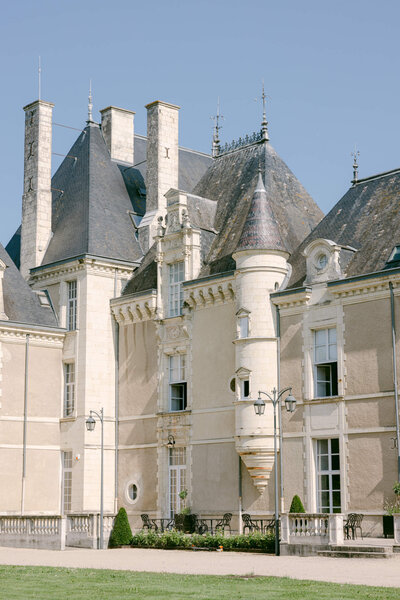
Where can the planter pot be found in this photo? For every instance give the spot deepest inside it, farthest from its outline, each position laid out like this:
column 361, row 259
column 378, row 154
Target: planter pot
column 388, row 526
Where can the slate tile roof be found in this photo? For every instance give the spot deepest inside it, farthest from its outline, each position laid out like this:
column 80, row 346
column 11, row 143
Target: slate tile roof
column 21, row 304
column 367, row 218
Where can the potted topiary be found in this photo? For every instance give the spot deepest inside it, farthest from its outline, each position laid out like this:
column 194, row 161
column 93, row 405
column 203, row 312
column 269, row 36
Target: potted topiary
column 121, row 534
column 184, row 520
column 297, row 505
column 391, row 507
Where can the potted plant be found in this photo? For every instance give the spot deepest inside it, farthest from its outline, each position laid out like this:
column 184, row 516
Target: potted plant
column 391, row 507
column 184, row 520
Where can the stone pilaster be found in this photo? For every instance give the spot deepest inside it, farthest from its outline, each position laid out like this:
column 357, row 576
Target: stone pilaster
column 3, row 315
column 117, row 126
column 36, row 199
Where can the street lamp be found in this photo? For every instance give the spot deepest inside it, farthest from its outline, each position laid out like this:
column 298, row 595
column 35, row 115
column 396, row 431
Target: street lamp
column 90, row 425
column 259, row 408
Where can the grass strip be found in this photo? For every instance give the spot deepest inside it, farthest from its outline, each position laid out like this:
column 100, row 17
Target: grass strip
column 48, row 583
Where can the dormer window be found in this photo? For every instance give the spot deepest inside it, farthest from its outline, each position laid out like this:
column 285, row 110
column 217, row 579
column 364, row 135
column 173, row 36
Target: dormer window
column 176, row 274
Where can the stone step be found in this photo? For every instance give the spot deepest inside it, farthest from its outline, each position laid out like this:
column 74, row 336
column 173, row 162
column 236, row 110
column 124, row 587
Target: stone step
column 349, row 553
column 368, row 549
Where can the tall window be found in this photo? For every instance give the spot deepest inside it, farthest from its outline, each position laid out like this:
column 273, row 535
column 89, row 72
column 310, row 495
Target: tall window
column 177, row 479
column 175, row 293
column 67, row 481
column 244, row 326
column 328, row 476
column 69, row 389
column 177, row 382
column 325, row 363
column 71, row 305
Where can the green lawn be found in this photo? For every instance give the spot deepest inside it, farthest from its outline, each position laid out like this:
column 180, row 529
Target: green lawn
column 46, row 583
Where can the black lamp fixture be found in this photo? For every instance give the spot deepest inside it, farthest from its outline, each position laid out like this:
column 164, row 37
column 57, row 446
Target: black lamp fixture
column 171, row 441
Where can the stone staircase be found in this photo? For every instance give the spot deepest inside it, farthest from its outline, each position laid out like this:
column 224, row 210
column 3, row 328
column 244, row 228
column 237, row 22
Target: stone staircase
column 361, row 551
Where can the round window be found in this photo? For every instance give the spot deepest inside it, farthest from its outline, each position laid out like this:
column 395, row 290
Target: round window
column 322, row 261
column 132, row 491
column 232, row 384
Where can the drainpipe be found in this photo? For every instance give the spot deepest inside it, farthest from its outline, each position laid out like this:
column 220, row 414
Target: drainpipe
column 278, row 378
column 25, row 423
column 116, row 393
column 240, row 497
column 396, row 396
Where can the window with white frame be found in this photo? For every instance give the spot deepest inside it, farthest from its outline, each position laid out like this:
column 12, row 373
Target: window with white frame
column 245, row 388
column 69, row 389
column 325, row 363
column 176, row 479
column 328, row 476
column 72, row 305
column 244, row 326
column 177, row 382
column 176, row 274
column 66, row 481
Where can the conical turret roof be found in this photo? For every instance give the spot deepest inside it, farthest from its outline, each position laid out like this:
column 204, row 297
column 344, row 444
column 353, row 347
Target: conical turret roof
column 260, row 230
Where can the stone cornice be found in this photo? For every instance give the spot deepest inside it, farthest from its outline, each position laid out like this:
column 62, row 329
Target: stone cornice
column 99, row 266
column 133, row 309
column 293, row 299
column 365, row 289
column 17, row 334
column 208, row 293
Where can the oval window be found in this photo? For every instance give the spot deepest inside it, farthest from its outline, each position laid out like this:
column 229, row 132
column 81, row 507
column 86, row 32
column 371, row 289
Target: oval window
column 232, row 384
column 132, row 491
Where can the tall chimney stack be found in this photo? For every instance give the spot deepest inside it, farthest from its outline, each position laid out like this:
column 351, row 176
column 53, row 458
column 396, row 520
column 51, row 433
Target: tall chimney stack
column 118, row 129
column 36, row 199
column 162, row 165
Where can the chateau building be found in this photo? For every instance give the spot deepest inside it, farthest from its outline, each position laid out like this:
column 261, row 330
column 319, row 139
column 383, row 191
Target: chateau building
column 163, row 288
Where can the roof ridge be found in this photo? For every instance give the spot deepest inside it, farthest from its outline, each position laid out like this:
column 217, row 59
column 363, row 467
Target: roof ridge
column 377, row 176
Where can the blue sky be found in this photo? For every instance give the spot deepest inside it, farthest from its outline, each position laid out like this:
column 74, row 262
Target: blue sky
column 330, row 71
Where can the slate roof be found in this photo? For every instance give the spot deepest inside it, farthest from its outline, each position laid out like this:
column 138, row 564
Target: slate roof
column 21, row 304
column 367, row 218
column 224, row 194
column 231, row 181
column 91, row 215
column 260, row 231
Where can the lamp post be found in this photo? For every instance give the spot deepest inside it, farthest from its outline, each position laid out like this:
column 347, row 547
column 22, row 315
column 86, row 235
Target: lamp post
column 259, row 407
column 90, row 425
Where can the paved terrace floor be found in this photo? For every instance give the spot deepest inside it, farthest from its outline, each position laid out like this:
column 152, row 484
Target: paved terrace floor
column 376, row 572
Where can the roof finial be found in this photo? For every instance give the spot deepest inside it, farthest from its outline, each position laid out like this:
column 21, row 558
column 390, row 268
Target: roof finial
column 264, row 123
column 39, row 78
column 90, row 102
column 216, row 144
column 355, row 155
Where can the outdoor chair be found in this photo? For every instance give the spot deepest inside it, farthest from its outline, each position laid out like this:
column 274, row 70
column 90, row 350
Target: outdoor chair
column 249, row 524
column 353, row 523
column 201, row 526
column 270, row 525
column 224, row 522
column 147, row 522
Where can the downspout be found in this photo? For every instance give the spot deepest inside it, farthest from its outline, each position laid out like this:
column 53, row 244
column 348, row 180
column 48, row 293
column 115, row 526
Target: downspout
column 396, row 396
column 240, row 527
column 25, row 423
column 116, row 393
column 278, row 381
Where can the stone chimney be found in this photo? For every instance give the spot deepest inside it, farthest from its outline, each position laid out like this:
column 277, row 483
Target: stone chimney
column 36, row 199
column 162, row 165
column 118, row 130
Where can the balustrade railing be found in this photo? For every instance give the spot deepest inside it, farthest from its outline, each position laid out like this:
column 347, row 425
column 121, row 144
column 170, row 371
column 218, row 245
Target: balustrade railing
column 313, row 529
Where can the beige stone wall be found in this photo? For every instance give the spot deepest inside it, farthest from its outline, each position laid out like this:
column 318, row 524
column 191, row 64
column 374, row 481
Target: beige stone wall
column 291, row 354
column 368, row 347
column 138, row 466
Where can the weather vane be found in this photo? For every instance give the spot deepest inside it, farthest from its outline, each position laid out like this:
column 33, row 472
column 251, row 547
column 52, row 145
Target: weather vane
column 40, row 78
column 216, row 141
column 355, row 156
column 264, row 123
column 90, row 102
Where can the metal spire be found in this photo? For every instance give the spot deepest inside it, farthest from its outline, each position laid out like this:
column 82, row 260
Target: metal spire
column 40, row 78
column 90, row 103
column 355, row 155
column 216, row 144
column 264, row 123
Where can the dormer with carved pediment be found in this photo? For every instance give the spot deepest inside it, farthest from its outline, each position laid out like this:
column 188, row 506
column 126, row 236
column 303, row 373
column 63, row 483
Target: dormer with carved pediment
column 326, row 260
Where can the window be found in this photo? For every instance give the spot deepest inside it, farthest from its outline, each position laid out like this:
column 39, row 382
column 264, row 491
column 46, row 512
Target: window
column 245, row 388
column 177, row 382
column 325, row 363
column 328, row 476
column 244, row 326
column 71, row 305
column 69, row 389
column 175, row 293
column 177, row 479
column 67, row 481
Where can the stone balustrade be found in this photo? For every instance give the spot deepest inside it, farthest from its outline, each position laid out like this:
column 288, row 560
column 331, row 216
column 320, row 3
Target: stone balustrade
column 311, row 529
column 396, row 528
column 54, row 532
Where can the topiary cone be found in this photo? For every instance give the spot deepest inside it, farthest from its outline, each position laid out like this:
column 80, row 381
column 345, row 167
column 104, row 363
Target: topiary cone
column 121, row 534
column 297, row 505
